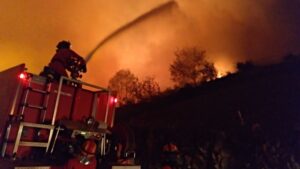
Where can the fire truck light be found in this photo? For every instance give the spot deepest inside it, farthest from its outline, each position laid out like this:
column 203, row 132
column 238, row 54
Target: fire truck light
column 22, row 76
column 114, row 100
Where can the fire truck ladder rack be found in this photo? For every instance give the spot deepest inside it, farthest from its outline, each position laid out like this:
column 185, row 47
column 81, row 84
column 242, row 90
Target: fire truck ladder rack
column 51, row 126
column 43, row 108
column 45, row 96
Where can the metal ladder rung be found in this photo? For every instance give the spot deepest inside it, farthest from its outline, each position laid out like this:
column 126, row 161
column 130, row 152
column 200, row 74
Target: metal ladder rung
column 35, row 106
column 36, row 125
column 39, row 91
column 33, row 144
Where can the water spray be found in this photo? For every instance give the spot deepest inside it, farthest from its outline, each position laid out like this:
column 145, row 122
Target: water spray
column 161, row 7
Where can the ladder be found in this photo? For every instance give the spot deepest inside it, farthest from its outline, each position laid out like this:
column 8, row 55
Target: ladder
column 33, row 143
column 43, row 110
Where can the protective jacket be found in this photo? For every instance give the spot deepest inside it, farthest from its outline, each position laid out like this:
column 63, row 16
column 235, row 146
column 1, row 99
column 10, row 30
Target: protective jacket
column 60, row 60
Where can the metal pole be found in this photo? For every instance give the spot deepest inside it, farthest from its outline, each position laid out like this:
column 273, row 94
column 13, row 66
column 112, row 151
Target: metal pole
column 107, row 107
column 15, row 99
column 57, row 99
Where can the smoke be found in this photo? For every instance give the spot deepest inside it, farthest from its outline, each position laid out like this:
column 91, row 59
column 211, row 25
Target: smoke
column 130, row 24
column 143, row 45
column 262, row 31
column 259, row 31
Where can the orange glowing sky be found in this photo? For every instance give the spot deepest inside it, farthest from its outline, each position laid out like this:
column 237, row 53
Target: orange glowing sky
column 231, row 31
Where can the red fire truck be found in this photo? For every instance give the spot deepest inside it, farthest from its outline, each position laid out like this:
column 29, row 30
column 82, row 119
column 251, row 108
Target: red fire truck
column 44, row 123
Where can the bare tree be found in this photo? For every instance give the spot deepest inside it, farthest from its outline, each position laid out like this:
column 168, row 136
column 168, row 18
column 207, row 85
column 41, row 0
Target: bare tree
column 190, row 67
column 125, row 84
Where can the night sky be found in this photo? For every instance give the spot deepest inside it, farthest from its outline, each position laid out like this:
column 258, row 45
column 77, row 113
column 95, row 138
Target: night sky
column 230, row 31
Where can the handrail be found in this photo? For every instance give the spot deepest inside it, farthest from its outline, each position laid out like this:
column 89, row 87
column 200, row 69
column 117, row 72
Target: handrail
column 62, row 78
column 84, row 83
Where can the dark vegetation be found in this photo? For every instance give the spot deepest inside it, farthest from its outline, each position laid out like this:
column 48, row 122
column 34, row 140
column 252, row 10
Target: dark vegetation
column 130, row 89
column 246, row 120
column 190, row 67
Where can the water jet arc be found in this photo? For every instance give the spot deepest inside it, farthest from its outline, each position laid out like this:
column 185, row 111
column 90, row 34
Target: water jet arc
column 129, row 24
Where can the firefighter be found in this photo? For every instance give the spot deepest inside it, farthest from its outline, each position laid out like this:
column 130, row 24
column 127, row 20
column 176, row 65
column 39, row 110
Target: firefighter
column 86, row 159
column 62, row 61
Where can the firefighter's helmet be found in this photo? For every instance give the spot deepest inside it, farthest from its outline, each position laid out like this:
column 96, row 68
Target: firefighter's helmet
column 63, row 45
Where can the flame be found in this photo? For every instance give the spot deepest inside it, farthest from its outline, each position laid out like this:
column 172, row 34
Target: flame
column 220, row 75
column 224, row 66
